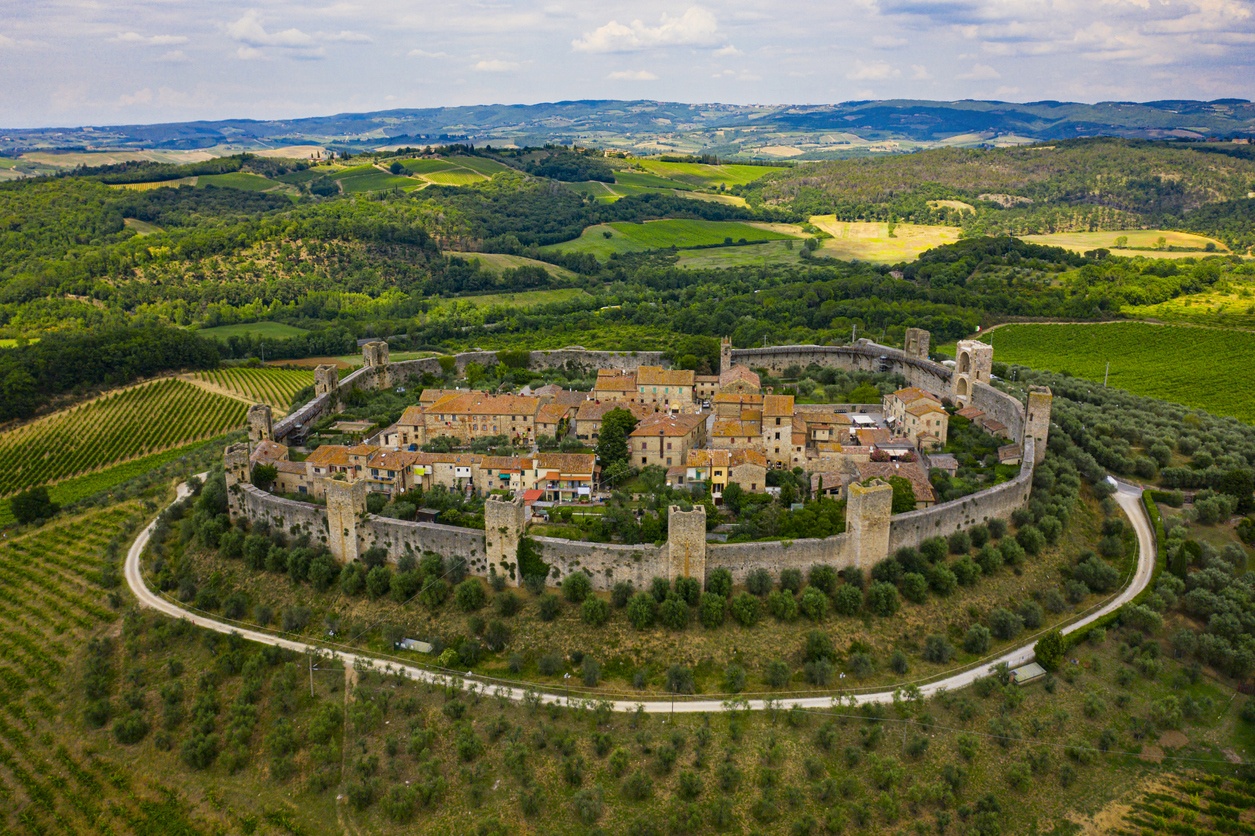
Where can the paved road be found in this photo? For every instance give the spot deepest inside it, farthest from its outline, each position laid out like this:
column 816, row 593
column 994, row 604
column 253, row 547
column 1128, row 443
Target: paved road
column 1128, row 496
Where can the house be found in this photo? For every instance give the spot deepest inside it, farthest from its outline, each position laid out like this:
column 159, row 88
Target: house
column 730, row 404
column 455, row 471
column 748, row 468
column 705, row 386
column 664, row 439
column 993, row 427
column 735, row 434
column 471, row 415
column 739, row 380
column 588, row 416
column 409, row 430
column 564, row 477
column 509, row 473
column 777, row 429
column 945, row 462
column 670, row 390
column 291, row 477
column 913, row 472
column 971, row 413
column 390, row 471
column 1009, row 454
column 614, row 385
column 919, row 416
column 553, row 419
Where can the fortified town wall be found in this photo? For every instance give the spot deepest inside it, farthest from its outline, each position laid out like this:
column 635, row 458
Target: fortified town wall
column 871, row 532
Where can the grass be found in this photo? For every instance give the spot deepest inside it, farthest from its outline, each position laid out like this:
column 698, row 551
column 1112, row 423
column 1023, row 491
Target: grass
column 648, row 181
column 1205, row 368
column 157, row 184
column 523, row 299
column 1229, row 303
column 261, row 385
column 1139, row 241
column 454, row 178
column 119, row 426
column 141, row 227
column 426, row 166
column 500, row 262
column 241, row 180
column 870, row 241
column 367, row 178
column 604, row 239
column 767, row 254
column 703, row 176
column 265, row 330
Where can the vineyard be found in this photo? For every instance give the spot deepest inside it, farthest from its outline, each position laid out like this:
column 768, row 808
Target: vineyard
column 1207, row 368
column 124, row 425
column 265, row 385
column 1197, row 805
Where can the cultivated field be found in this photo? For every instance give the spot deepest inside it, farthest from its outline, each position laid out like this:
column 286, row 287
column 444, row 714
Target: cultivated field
column 1208, row 368
column 123, row 425
column 262, row 385
column 1139, row 242
column 270, row 330
column 367, row 178
column 870, row 241
column 523, row 299
column 698, row 175
column 604, row 239
column 769, row 253
column 241, row 180
column 500, row 262
column 1227, row 303
column 141, row 227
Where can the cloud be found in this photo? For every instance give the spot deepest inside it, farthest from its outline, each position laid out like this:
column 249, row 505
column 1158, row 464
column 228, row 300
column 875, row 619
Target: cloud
column 496, row 65
column 980, row 72
column 632, row 75
column 696, row 27
column 422, row 53
column 888, row 42
column 6, row 42
column 728, row 51
column 255, row 39
column 873, row 71
column 920, row 73
column 174, row 56
column 150, row 40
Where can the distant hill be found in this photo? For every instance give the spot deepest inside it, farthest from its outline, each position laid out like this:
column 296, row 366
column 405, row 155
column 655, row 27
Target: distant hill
column 779, row 132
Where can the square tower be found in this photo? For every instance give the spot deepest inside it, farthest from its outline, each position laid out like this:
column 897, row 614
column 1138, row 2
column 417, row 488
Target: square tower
column 326, row 381
column 725, row 355
column 916, row 343
column 260, row 423
column 686, row 543
column 1037, row 419
column 973, row 363
column 503, row 528
column 346, row 508
column 867, row 511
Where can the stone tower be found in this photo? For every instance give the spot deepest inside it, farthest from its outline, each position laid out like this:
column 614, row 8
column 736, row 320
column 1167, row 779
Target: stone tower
column 346, row 506
column 375, row 353
column 973, row 363
column 260, row 425
column 916, row 343
column 326, row 381
column 238, row 473
column 725, row 355
column 867, row 511
column 503, row 528
column 1037, row 419
column 686, row 543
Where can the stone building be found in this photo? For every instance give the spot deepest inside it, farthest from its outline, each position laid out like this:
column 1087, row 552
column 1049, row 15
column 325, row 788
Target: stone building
column 778, row 429
column 664, row 439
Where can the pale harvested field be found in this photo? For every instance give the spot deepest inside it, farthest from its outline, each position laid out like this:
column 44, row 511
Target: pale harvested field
column 1140, row 241
column 870, row 241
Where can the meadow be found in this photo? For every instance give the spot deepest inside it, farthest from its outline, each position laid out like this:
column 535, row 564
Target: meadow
column 702, row 176
column 498, row 263
column 238, row 180
column 1226, row 303
column 261, row 385
column 870, row 241
column 766, row 254
column 267, row 330
column 116, row 427
column 621, row 237
column 367, row 178
column 1207, row 368
column 1137, row 242
column 522, row 299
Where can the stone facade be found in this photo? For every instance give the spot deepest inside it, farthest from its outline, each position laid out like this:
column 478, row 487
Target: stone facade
column 260, row 424
column 346, row 508
column 973, row 363
column 503, row 528
column 686, row 543
column 1037, row 419
column 867, row 521
column 916, row 343
column 238, row 471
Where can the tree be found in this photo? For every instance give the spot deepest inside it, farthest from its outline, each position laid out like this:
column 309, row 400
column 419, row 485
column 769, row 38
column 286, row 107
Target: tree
column 612, row 441
column 1050, row 649
column 903, row 495
column 396, row 167
column 733, row 494
column 33, row 505
column 264, row 475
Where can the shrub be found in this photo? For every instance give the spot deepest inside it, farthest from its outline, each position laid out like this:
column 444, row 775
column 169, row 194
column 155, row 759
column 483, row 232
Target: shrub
column 814, row 603
column 966, row 572
column 469, row 595
column 862, row 664
column 819, row 672
column 745, row 609
column 979, row 535
column 1031, row 539
column 823, row 578
column 679, row 679
column 689, row 589
column 942, row 580
column 674, row 613
column 915, row 587
column 960, row 542
column 507, row 604
column 323, row 571
column 937, row 648
column 549, row 605
column 660, row 588
column 934, row 549
column 782, row 605
column 1005, row 624
column 595, row 611
column 130, row 728
column 997, row 528
column 848, row 599
column 590, row 670
column 640, row 610
column 777, row 673
column 989, row 559
column 758, row 582
column 1012, row 552
column 550, row 664
column 882, row 599
column 378, row 581
column 791, row 580
column 1030, row 613
column 720, row 582
column 1095, row 573
column 734, row 678
column 621, row 594
column 898, row 662
column 818, row 646
column 295, row 619
column 1050, row 649
column 497, row 635
column 977, row 639
column 576, row 587
column 712, row 609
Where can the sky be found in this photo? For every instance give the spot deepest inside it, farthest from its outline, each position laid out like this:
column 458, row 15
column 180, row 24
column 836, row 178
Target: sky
column 79, row 62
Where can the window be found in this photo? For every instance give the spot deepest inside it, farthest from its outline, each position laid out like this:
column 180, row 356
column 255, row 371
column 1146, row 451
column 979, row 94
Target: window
column 777, row 424
column 668, row 461
column 668, row 445
column 644, row 460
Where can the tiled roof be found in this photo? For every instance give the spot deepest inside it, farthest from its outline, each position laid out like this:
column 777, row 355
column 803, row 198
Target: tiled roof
column 268, row 451
column 481, row 403
column 662, row 423
column 709, row 458
column 869, row 438
column 429, row 396
column 971, row 413
column 913, row 472
column 732, row 428
column 913, row 393
column 777, row 406
column 363, row 450
column 658, row 376
column 609, row 380
column 742, row 398
column 552, row 413
column 743, row 457
column 392, row 459
column 464, row 459
column 596, row 410
column 924, row 408
column 284, row 466
column 411, row 417
column 504, row 463
column 329, row 455
column 567, row 462
column 740, row 373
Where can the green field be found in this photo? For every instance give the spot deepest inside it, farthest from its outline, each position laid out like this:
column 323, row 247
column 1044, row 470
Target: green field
column 482, row 165
column 767, row 254
column 426, row 166
column 604, row 239
column 648, row 181
column 525, row 299
column 454, row 177
column 1207, row 368
column 367, row 178
column 500, row 262
column 703, row 176
column 141, row 227
column 262, row 385
column 237, row 180
column 1138, row 242
column 1228, row 303
column 117, row 427
column 870, row 241
column 270, row 330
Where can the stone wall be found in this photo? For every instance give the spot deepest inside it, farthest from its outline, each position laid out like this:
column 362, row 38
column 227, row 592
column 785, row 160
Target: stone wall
column 742, row 558
column 285, row 515
column 401, row 537
column 863, row 356
column 605, row 563
column 1001, row 407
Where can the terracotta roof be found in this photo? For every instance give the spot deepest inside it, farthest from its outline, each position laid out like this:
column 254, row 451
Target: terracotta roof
column 913, row 472
column 910, row 394
column 609, row 380
column 799, row 438
column 504, row 463
column 548, row 389
column 533, row 495
column 662, row 423
column 971, row 413
column 268, row 451
column 839, row 419
column 752, row 416
column 411, row 417
column 428, row 396
column 596, row 410
column 329, row 455
column 740, row 373
column 744, row 399
column 706, row 378
column 448, row 458
column 993, row 427
column 830, row 447
column 775, row 406
column 732, row 428
column 743, row 457
column 363, row 450
column 658, row 376
column 924, row 408
column 552, row 413
column 709, row 458
column 392, row 459
column 567, row 462
column 1009, row 451
column 285, row 466
column 868, row 438
column 481, row 403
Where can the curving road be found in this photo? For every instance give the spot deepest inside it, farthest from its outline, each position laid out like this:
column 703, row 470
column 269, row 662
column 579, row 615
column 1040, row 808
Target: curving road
column 1128, row 496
